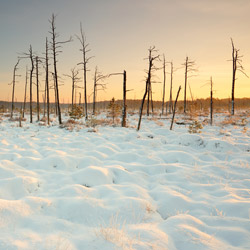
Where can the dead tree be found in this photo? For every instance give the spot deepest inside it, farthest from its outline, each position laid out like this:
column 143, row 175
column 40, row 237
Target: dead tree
column 171, row 87
column 98, row 83
column 164, row 84
column 237, row 66
column 55, row 47
column 80, row 99
column 211, row 101
column 25, row 91
column 13, row 87
column 37, row 87
column 31, row 75
column 74, row 78
column 55, row 92
column 47, row 78
column 124, row 103
column 85, row 60
column 189, row 68
column 172, row 121
column 151, row 68
column 30, row 56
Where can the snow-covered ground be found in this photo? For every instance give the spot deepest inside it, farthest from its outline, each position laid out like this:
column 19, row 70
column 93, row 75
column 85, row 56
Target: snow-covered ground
column 116, row 188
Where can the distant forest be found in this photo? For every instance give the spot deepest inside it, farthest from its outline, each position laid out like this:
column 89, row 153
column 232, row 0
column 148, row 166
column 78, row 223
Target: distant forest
column 220, row 105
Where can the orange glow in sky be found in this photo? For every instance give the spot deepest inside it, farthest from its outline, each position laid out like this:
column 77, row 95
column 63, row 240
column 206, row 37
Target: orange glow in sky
column 119, row 34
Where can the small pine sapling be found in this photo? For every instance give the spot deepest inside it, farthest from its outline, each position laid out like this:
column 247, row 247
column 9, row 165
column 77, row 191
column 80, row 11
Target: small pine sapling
column 114, row 109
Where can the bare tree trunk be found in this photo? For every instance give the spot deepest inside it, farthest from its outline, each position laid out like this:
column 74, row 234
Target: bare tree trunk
column 13, row 88
column 152, row 104
column 54, row 50
column 25, row 91
column 31, row 75
column 164, row 84
column 185, row 86
column 171, row 87
column 72, row 101
column 236, row 66
column 37, row 91
column 234, row 57
column 148, row 84
column 172, row 122
column 56, row 110
column 80, row 99
column 94, row 92
column 47, row 80
column 85, row 61
column 142, row 104
column 148, row 102
column 211, row 102
column 124, row 106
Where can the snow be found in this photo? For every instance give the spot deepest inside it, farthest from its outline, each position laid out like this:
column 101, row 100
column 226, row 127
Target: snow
column 116, row 188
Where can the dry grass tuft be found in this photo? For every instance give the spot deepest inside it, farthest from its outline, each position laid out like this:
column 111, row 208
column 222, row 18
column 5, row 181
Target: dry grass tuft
column 234, row 120
column 116, row 234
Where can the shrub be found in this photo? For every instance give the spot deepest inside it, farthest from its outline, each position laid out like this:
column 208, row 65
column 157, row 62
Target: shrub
column 76, row 112
column 114, row 109
column 195, row 127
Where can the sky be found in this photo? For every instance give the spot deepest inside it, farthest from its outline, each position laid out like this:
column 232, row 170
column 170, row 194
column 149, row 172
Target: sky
column 119, row 33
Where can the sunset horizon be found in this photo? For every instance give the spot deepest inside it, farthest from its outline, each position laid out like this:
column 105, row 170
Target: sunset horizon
column 119, row 36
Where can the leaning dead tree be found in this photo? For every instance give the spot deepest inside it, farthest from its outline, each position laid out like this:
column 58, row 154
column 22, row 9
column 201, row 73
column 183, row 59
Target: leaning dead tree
column 13, row 87
column 124, row 103
column 98, row 85
column 190, row 67
column 85, row 60
column 237, row 66
column 56, row 49
column 151, row 68
column 74, row 78
column 175, row 104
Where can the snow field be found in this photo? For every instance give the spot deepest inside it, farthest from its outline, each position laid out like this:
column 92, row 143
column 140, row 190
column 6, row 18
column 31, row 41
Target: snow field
column 117, row 188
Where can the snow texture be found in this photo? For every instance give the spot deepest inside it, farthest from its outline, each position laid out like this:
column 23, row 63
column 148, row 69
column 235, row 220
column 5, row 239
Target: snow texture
column 116, row 188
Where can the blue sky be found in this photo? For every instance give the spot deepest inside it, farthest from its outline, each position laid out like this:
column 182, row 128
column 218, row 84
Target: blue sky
column 120, row 32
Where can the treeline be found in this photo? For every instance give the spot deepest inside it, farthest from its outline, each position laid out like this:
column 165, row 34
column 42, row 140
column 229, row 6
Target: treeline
column 134, row 105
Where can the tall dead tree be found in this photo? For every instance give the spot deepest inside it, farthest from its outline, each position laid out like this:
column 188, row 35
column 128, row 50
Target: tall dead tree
column 124, row 103
column 237, row 66
column 85, row 59
column 47, row 77
column 25, row 90
column 30, row 56
column 74, row 78
column 37, row 88
column 164, row 84
column 151, row 68
column 98, row 85
column 189, row 68
column 56, row 49
column 13, row 87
